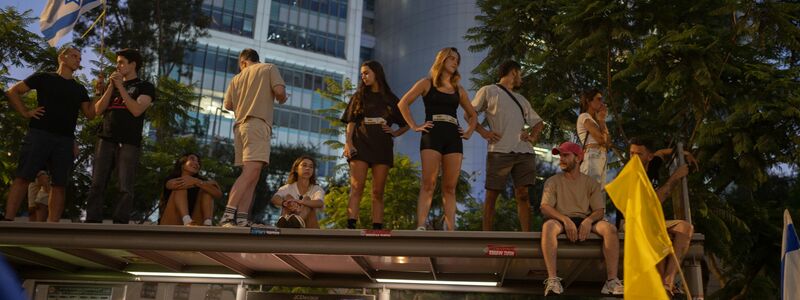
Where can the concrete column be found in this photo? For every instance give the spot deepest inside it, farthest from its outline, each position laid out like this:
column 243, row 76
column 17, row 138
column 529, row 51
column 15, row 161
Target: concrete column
column 384, row 294
column 694, row 278
column 241, row 292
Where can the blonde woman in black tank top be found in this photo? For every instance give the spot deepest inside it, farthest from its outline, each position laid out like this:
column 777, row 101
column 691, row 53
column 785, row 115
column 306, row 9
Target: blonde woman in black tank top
column 440, row 144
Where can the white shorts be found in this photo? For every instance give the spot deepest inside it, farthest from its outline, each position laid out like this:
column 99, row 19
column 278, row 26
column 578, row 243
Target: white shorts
column 594, row 164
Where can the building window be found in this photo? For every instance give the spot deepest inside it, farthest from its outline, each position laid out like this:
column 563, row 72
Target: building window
column 232, row 16
column 368, row 25
column 306, row 39
column 366, row 54
column 309, row 25
column 333, row 8
column 211, row 68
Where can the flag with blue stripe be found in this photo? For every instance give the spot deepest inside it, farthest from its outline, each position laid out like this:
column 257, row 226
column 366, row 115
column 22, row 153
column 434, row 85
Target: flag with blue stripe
column 10, row 288
column 790, row 260
column 59, row 16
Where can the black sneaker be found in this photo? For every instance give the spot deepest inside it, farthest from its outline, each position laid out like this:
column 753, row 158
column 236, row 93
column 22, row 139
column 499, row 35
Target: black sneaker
column 295, row 219
column 283, row 222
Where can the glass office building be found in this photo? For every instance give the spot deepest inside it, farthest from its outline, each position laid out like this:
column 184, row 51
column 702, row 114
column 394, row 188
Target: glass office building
column 309, row 41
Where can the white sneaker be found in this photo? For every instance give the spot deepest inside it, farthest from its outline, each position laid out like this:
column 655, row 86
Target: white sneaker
column 613, row 287
column 553, row 284
column 227, row 223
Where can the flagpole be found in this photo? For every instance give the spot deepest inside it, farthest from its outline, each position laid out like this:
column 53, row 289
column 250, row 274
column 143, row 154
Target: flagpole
column 684, row 284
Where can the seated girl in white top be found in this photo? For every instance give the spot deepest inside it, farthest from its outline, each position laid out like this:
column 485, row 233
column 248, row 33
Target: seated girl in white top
column 300, row 197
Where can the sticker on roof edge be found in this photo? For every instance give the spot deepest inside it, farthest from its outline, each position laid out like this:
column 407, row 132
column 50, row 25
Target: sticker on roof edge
column 495, row 250
column 265, row 231
column 376, row 232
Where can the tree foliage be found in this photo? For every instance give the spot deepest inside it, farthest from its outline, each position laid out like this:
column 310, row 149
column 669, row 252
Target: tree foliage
column 20, row 46
column 720, row 77
column 163, row 30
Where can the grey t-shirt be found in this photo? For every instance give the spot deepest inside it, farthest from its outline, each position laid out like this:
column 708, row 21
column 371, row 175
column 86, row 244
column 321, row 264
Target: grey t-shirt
column 505, row 118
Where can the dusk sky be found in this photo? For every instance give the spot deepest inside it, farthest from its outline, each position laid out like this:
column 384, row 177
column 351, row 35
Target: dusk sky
column 36, row 6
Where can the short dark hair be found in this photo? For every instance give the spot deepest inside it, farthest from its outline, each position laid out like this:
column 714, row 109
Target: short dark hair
column 249, row 54
column 133, row 56
column 643, row 141
column 508, row 66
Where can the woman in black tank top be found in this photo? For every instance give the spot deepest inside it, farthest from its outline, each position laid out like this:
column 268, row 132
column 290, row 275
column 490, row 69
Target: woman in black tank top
column 441, row 143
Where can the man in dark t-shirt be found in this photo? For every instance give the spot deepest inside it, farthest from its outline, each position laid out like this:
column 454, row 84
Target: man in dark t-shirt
column 123, row 104
column 48, row 145
column 680, row 231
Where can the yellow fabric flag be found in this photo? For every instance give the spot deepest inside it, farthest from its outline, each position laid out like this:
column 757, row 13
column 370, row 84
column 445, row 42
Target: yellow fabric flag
column 646, row 238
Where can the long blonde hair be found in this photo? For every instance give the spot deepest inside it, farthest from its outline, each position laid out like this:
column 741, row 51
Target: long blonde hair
column 437, row 69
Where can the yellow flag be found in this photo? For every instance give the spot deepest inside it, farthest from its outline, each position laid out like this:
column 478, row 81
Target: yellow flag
column 646, row 238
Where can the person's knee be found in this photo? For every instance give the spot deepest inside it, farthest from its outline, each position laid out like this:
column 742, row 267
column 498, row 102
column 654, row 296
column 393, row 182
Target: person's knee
column 377, row 195
column 550, row 229
column 428, row 185
column 521, row 194
column 251, row 172
column 449, row 188
column 684, row 229
column 606, row 229
column 356, row 187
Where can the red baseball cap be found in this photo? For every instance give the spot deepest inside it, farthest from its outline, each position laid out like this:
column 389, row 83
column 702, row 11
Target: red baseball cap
column 569, row 147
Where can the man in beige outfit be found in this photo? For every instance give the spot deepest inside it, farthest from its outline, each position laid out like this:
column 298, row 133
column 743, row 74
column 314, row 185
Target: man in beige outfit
column 250, row 95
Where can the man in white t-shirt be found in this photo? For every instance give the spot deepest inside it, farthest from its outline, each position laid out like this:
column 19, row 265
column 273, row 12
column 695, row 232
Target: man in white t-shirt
column 513, row 129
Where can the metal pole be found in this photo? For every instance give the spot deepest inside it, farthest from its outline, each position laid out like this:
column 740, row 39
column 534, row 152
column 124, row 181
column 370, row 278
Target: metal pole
column 694, row 276
column 687, row 212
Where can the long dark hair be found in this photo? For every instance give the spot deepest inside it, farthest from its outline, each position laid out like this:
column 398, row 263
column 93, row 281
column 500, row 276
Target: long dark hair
column 293, row 173
column 383, row 87
column 177, row 169
column 586, row 97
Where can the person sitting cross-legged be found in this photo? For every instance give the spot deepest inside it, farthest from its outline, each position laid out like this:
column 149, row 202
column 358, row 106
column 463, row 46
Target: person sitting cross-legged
column 573, row 204
column 300, row 197
column 188, row 198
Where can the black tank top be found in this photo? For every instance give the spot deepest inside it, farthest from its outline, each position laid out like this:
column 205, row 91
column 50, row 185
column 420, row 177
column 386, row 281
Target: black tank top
column 438, row 103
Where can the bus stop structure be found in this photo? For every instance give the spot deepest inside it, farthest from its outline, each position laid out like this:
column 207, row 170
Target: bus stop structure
column 462, row 261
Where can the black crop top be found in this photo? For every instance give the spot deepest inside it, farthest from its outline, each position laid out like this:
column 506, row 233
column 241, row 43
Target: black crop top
column 438, row 103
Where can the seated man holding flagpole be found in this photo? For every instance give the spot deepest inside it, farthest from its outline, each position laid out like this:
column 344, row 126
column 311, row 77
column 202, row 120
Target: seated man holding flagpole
column 680, row 231
column 573, row 204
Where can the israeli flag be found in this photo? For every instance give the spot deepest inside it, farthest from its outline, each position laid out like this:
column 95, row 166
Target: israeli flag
column 790, row 260
column 59, row 16
column 10, row 288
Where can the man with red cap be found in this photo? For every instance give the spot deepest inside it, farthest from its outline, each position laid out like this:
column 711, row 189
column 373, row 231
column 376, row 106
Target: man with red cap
column 573, row 203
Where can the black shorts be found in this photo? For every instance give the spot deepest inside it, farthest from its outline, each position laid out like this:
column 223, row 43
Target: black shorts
column 42, row 150
column 578, row 221
column 443, row 137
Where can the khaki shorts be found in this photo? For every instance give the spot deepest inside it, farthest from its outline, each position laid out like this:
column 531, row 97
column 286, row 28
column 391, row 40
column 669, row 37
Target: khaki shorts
column 251, row 141
column 521, row 167
column 672, row 223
